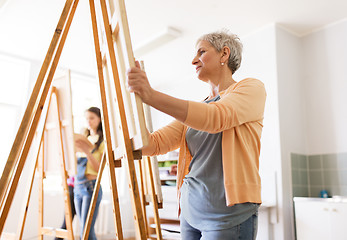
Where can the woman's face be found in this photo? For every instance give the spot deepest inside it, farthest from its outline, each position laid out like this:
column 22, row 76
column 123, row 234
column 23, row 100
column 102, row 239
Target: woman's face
column 206, row 61
column 93, row 120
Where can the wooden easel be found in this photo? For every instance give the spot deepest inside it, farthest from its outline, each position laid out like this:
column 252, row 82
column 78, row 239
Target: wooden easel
column 62, row 233
column 22, row 143
column 38, row 165
column 128, row 148
column 103, row 63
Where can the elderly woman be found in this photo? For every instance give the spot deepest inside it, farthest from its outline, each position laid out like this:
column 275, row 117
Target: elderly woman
column 219, row 139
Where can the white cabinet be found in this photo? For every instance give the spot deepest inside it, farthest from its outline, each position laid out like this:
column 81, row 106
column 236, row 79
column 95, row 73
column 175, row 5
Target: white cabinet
column 338, row 220
column 312, row 220
column 320, row 219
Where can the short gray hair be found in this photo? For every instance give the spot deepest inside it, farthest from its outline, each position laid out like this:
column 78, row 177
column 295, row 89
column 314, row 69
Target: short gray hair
column 222, row 39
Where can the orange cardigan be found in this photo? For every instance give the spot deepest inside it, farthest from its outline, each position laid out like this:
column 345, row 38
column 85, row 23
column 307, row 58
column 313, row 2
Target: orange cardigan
column 239, row 115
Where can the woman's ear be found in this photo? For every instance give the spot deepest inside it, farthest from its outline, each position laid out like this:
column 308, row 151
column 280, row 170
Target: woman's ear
column 225, row 54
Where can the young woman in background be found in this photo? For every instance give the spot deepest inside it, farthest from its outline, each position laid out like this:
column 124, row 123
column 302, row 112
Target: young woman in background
column 88, row 162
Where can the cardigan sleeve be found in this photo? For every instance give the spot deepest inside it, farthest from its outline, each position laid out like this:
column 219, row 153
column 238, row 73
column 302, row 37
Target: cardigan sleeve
column 166, row 139
column 242, row 103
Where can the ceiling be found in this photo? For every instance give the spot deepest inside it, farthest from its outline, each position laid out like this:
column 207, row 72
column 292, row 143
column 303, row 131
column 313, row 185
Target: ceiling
column 26, row 26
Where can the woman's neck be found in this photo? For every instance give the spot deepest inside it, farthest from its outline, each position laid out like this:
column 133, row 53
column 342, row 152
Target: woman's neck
column 93, row 132
column 220, row 85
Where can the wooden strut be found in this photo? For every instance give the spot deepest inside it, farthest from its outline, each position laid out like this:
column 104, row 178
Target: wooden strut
column 154, row 200
column 26, row 205
column 109, row 153
column 143, row 197
column 87, row 224
column 24, row 212
column 13, row 168
column 68, row 212
column 146, row 161
column 40, row 168
column 129, row 157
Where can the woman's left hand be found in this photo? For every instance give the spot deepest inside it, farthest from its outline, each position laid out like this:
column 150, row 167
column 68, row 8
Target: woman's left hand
column 138, row 83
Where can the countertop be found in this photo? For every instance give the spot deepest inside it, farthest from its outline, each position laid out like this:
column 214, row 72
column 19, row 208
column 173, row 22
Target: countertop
column 334, row 199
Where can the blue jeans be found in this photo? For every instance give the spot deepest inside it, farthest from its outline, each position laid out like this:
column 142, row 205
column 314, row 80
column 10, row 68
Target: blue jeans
column 83, row 195
column 244, row 231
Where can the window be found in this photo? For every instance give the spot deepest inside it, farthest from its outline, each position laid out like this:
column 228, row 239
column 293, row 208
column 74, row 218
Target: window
column 14, row 76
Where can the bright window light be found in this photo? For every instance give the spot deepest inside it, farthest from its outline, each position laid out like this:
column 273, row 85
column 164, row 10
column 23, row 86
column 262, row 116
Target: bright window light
column 14, row 75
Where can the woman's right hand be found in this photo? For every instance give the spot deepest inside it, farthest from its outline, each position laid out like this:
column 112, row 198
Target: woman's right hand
column 84, row 147
column 138, row 83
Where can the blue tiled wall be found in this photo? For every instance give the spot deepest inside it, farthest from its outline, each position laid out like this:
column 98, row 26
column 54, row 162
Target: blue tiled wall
column 313, row 173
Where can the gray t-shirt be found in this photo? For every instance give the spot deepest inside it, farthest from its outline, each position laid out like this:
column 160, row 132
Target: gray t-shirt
column 203, row 201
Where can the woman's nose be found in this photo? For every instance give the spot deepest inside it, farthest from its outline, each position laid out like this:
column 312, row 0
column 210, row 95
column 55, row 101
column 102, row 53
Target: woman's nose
column 195, row 60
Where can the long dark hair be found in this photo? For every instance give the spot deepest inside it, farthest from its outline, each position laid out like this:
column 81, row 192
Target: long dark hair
column 99, row 131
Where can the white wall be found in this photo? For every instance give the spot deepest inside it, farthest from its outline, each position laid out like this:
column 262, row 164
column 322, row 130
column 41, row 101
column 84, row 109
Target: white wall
column 14, row 72
column 260, row 61
column 291, row 115
column 311, row 84
column 325, row 77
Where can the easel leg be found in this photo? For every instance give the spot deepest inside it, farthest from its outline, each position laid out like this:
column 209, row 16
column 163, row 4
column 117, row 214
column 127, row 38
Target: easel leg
column 115, row 201
column 40, row 166
column 4, row 181
column 26, row 203
column 68, row 213
column 154, row 200
column 41, row 171
column 143, row 194
column 109, row 153
column 94, row 199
